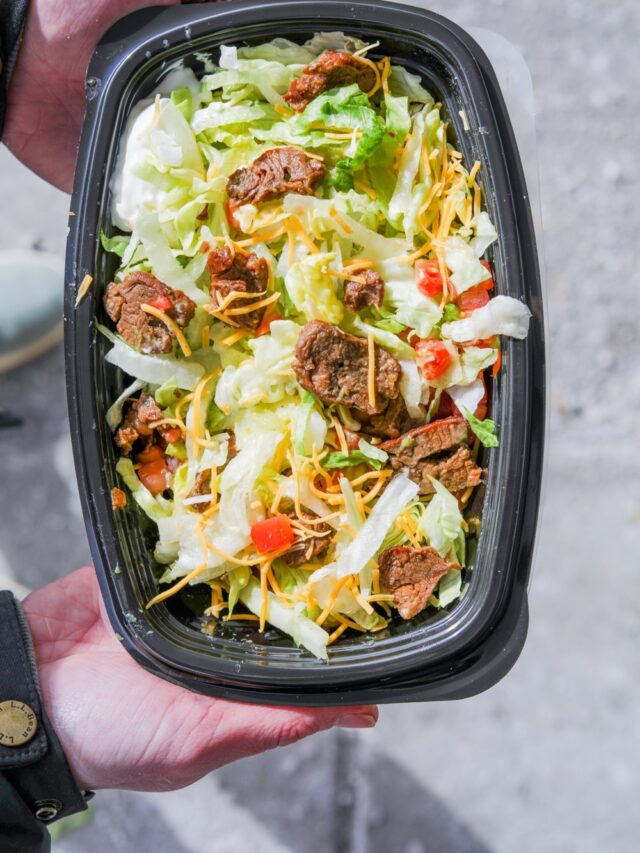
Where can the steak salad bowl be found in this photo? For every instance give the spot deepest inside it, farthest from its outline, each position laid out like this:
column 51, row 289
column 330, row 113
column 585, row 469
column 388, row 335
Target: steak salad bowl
column 306, row 360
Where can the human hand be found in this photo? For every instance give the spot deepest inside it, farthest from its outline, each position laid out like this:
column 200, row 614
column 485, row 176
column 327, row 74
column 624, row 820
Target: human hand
column 120, row 726
column 46, row 97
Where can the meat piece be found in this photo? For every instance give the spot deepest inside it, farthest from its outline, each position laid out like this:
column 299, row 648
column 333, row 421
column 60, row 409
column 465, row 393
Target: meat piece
column 456, row 471
column 123, row 301
column 118, row 499
column 202, row 486
column 245, row 273
column 424, row 441
column 365, row 290
column 272, row 174
column 335, row 366
column 332, row 68
column 136, row 424
column 306, row 549
column 389, row 423
column 411, row 575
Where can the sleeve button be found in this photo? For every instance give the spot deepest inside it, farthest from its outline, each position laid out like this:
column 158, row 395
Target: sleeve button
column 47, row 810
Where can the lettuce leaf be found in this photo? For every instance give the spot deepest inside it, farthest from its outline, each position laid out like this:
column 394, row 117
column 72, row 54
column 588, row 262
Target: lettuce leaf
column 411, row 306
column 467, row 396
column 268, row 377
column 485, row 430
column 313, row 291
column 404, row 83
column 141, row 495
column 502, row 315
column 238, row 580
column 117, row 245
column 114, row 413
column 441, row 522
column 155, row 369
column 466, row 269
column 309, row 428
column 354, row 457
column 289, row 620
column 364, row 547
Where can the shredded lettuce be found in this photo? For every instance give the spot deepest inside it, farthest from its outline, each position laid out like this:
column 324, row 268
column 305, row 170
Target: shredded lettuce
column 268, row 377
column 412, row 387
column 407, row 171
column 289, row 620
column 441, row 522
column 485, row 430
column 502, row 315
column 449, row 589
column 410, row 306
column 466, row 269
column 313, row 290
column 395, row 345
column 467, row 396
column 155, row 369
column 404, row 83
column 114, row 413
column 116, row 245
column 309, row 428
column 348, row 460
column 152, row 507
column 163, row 260
column 369, row 539
column 238, row 580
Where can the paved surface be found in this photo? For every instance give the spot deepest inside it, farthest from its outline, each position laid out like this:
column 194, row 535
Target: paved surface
column 547, row 761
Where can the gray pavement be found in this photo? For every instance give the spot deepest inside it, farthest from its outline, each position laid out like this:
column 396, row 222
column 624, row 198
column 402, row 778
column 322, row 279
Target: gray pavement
column 547, row 761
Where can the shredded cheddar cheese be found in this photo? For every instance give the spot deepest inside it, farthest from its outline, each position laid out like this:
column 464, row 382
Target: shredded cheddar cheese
column 86, row 283
column 371, row 383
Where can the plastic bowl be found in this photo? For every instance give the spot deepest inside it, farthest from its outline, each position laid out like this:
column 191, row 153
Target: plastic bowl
column 451, row 655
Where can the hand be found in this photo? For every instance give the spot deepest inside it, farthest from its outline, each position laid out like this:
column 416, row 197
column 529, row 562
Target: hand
column 46, row 96
column 122, row 727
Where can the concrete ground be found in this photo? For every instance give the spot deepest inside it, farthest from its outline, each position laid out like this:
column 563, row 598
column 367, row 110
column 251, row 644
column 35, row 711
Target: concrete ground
column 547, row 761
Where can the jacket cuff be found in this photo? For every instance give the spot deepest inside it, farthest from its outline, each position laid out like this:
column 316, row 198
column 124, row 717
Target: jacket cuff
column 31, row 757
column 13, row 15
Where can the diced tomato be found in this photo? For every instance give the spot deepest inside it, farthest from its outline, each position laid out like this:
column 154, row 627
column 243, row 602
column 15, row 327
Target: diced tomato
column 475, row 297
column 150, row 454
column 481, row 408
column 497, row 364
column 487, row 266
column 352, row 439
column 162, row 303
column 434, row 358
column 265, row 324
column 428, row 277
column 231, row 207
column 272, row 534
column 172, row 434
column 155, row 475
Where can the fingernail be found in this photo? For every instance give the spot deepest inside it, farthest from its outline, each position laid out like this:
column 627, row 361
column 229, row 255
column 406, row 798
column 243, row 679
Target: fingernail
column 356, row 721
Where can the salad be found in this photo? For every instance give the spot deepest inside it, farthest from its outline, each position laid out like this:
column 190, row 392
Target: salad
column 308, row 322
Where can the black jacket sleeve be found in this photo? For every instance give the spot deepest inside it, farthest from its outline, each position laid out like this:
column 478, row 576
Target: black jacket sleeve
column 36, row 783
column 13, row 14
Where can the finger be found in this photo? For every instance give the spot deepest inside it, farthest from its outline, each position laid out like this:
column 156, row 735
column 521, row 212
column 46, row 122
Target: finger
column 243, row 730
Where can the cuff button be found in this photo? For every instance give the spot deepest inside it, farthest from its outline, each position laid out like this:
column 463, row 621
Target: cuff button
column 47, row 810
column 18, row 723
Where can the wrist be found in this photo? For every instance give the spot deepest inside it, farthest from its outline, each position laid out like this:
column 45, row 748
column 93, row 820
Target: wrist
column 57, row 705
column 32, row 761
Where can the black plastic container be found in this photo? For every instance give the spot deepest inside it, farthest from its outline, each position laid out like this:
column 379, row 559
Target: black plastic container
column 451, row 655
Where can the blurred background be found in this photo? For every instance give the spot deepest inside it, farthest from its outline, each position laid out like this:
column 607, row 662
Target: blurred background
column 547, row 761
